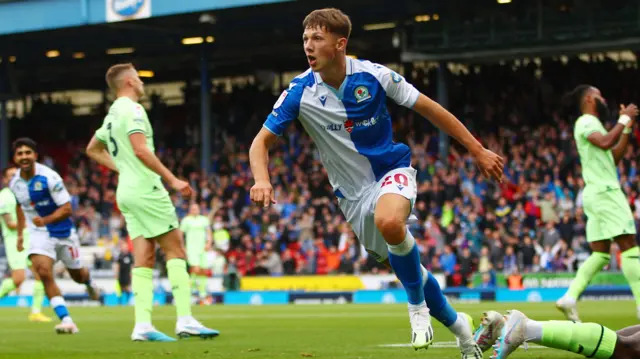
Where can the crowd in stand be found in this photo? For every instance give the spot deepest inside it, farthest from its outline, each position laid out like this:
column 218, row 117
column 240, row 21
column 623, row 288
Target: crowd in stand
column 532, row 222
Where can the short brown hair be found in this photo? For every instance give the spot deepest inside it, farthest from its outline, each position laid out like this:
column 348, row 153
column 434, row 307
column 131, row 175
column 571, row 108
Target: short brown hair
column 331, row 19
column 114, row 72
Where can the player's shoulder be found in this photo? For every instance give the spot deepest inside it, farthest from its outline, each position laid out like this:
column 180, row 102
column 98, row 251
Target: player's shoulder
column 128, row 106
column 380, row 72
column 48, row 174
column 586, row 119
column 305, row 79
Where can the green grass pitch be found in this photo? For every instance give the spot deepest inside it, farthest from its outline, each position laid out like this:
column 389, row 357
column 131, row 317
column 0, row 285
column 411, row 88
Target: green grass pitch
column 289, row 331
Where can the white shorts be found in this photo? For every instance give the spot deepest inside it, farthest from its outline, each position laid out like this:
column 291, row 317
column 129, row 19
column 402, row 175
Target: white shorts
column 360, row 213
column 65, row 250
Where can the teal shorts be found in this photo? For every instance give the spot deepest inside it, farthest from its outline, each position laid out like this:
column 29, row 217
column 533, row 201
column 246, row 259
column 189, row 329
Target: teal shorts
column 608, row 215
column 149, row 214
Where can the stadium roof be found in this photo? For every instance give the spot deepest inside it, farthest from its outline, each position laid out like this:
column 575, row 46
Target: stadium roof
column 268, row 37
column 244, row 40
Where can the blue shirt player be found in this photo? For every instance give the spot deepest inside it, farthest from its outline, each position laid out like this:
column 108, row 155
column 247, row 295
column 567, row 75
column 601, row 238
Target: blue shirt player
column 44, row 205
column 341, row 103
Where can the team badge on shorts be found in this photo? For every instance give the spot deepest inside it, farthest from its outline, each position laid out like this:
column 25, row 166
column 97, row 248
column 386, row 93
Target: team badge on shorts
column 361, row 93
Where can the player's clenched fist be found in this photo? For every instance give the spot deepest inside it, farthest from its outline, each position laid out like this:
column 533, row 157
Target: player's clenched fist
column 262, row 193
column 491, row 165
column 182, row 187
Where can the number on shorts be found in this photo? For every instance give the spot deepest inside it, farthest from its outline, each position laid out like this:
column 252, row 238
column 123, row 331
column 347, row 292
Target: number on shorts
column 74, row 252
column 399, row 178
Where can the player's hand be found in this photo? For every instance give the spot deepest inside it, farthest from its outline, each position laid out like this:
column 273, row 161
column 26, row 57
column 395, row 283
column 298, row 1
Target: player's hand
column 490, row 164
column 20, row 244
column 262, row 194
column 630, row 110
column 38, row 221
column 182, row 187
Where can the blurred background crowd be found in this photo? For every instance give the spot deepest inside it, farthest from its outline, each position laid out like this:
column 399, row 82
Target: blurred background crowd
column 532, row 222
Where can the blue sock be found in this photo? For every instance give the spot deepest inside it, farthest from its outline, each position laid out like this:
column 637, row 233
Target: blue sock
column 405, row 261
column 59, row 306
column 439, row 307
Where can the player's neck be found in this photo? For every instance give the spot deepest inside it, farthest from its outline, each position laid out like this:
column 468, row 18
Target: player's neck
column 334, row 75
column 593, row 113
column 130, row 94
column 27, row 175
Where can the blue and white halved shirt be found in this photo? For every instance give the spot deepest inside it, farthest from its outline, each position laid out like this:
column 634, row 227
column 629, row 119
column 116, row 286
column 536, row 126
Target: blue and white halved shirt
column 350, row 126
column 41, row 196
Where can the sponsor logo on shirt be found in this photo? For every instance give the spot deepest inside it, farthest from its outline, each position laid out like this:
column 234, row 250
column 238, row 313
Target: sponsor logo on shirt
column 280, row 99
column 395, row 77
column 333, row 127
column 348, row 125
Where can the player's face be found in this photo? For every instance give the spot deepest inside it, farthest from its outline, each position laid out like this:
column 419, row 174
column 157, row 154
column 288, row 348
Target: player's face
column 136, row 83
column 25, row 157
column 194, row 210
column 321, row 47
column 10, row 173
column 599, row 103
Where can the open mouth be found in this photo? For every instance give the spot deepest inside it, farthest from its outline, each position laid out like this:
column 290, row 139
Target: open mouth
column 312, row 60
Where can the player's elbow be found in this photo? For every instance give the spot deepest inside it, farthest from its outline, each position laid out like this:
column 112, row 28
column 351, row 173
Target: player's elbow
column 140, row 152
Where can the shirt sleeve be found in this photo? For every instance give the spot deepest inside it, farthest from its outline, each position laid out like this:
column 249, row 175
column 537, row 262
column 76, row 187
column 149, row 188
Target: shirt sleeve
column 586, row 126
column 102, row 135
column 183, row 225
column 4, row 207
column 136, row 120
column 397, row 88
column 285, row 110
column 58, row 191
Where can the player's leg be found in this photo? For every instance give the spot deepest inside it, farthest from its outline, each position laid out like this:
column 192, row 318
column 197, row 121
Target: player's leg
column 132, row 207
column 43, row 265
column 38, row 298
column 598, row 259
column 142, row 285
column 68, row 252
column 631, row 264
column 172, row 244
column 628, row 347
column 12, row 283
column 17, row 263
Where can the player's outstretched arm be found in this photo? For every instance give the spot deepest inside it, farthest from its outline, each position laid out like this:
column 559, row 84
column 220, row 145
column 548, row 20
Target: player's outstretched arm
column 149, row 159
column 97, row 151
column 262, row 191
column 490, row 164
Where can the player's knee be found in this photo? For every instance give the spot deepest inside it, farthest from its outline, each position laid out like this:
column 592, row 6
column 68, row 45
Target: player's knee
column 390, row 225
column 45, row 274
column 18, row 277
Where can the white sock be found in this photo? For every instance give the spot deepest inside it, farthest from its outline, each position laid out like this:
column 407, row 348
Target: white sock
column 533, row 331
column 417, row 307
column 184, row 320
column 67, row 319
column 460, row 328
column 403, row 248
column 568, row 300
column 144, row 327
